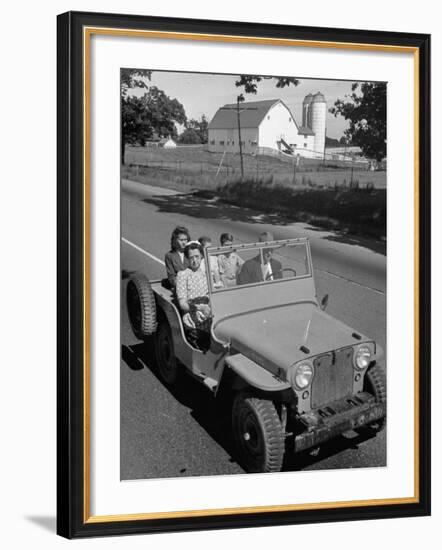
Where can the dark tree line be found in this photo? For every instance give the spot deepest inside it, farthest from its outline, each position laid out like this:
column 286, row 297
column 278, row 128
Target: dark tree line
column 366, row 110
column 152, row 113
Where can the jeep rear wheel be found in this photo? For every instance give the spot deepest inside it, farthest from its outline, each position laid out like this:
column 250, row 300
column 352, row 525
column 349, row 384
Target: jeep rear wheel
column 165, row 354
column 141, row 306
column 258, row 433
column 375, row 383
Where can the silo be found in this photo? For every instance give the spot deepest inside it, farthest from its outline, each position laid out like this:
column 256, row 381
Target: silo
column 318, row 109
column 306, row 115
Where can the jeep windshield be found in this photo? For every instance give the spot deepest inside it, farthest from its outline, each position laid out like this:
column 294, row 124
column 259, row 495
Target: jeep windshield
column 258, row 264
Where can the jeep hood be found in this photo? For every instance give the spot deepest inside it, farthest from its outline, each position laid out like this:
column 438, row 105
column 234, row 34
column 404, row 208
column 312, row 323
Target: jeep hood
column 277, row 338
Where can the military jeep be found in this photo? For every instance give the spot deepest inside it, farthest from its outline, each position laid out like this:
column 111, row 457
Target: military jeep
column 298, row 377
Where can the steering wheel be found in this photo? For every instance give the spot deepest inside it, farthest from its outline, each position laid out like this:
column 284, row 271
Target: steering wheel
column 270, row 275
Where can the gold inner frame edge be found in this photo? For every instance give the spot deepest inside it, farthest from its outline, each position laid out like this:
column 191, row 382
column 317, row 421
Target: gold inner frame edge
column 87, row 33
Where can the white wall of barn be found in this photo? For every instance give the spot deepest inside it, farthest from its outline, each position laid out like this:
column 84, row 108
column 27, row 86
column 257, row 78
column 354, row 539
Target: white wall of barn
column 305, row 145
column 278, row 123
column 226, row 139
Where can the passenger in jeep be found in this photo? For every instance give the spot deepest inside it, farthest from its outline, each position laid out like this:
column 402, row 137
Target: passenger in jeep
column 175, row 259
column 193, row 297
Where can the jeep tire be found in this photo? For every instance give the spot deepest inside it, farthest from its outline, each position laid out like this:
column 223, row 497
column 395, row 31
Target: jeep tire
column 141, row 306
column 375, row 383
column 165, row 354
column 258, row 434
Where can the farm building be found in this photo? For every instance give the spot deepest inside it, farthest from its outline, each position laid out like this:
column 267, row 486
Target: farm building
column 157, row 141
column 269, row 126
column 167, row 143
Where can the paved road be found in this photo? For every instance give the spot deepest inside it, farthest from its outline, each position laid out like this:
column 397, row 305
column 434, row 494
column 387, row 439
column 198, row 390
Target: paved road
column 185, row 433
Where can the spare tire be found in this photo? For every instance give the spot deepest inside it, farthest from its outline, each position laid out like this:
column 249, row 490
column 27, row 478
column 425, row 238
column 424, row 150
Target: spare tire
column 141, row 306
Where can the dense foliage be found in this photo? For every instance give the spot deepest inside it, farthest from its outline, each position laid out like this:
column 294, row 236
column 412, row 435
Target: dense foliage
column 196, row 131
column 366, row 110
column 152, row 113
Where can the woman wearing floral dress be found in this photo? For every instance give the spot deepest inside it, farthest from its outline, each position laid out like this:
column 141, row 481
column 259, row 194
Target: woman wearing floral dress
column 193, row 298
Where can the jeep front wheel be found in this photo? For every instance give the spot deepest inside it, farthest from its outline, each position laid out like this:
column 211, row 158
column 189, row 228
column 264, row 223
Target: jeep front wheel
column 165, row 354
column 258, row 434
column 375, row 383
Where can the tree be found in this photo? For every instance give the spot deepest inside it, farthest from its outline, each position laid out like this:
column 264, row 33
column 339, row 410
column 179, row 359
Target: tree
column 367, row 113
column 141, row 117
column 203, row 129
column 163, row 112
column 190, row 136
column 250, row 82
column 197, row 131
column 133, row 78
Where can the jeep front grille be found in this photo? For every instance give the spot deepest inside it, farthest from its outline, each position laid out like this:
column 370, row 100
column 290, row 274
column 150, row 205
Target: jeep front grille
column 333, row 376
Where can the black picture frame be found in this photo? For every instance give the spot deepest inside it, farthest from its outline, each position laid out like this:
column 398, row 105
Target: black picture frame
column 73, row 519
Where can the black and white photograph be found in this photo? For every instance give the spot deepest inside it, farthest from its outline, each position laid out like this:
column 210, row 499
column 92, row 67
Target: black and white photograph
column 253, row 274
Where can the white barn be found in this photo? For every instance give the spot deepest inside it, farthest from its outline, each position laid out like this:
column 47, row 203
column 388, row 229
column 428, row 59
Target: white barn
column 265, row 124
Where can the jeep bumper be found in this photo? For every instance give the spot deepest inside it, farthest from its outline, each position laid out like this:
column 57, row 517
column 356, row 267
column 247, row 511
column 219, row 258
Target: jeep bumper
column 335, row 418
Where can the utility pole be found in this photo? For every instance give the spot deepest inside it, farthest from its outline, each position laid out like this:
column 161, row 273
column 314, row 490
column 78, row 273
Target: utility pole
column 295, row 165
column 239, row 99
column 239, row 134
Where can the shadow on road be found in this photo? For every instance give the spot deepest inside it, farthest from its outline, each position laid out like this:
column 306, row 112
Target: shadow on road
column 131, row 358
column 303, row 460
column 202, row 206
column 213, row 414
column 125, row 274
column 376, row 245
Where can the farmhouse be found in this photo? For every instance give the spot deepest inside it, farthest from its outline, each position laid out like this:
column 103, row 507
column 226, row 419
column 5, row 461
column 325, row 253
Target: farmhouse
column 269, row 126
column 167, row 143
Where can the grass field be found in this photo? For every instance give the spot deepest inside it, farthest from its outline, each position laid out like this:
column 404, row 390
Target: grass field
column 196, row 161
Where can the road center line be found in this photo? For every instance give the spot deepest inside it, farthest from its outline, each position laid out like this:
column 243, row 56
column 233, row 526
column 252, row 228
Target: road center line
column 142, row 251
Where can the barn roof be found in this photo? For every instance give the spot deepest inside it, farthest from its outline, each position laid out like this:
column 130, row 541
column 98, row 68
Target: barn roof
column 306, row 131
column 249, row 119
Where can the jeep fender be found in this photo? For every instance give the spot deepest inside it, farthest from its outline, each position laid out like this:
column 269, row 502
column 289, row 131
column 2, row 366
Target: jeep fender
column 255, row 375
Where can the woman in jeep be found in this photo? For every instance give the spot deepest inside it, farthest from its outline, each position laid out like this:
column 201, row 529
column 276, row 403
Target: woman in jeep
column 193, row 297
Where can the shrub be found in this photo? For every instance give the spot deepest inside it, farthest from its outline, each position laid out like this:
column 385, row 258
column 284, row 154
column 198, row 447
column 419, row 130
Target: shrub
column 347, row 205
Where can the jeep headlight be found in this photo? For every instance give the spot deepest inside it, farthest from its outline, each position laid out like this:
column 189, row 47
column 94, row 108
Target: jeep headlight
column 362, row 357
column 302, row 376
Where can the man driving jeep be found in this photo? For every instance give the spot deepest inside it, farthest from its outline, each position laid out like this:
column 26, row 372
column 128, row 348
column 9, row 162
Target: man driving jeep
column 264, row 268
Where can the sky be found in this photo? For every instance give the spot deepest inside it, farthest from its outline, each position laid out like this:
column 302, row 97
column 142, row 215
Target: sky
column 201, row 93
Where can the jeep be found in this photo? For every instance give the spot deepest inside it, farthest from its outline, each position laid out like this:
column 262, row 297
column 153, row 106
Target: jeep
column 297, row 376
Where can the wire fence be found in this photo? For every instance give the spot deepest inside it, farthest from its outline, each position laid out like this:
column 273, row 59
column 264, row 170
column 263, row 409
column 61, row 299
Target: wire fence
column 256, row 167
